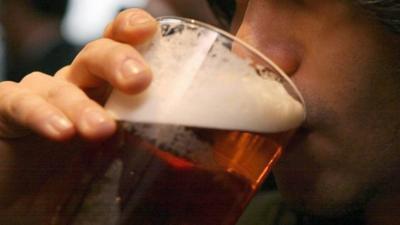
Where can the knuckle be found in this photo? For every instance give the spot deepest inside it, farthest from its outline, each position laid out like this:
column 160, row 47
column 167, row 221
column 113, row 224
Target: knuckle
column 123, row 50
column 91, row 48
column 34, row 77
column 109, row 51
column 18, row 103
column 82, row 104
column 118, row 55
column 61, row 73
column 86, row 49
column 99, row 43
column 7, row 88
column 30, row 110
column 60, row 91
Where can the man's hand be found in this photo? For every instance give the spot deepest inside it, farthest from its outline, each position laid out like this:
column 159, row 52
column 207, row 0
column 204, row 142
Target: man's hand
column 48, row 123
column 69, row 103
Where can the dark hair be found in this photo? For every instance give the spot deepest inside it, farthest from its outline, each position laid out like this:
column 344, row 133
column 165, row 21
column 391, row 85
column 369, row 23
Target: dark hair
column 54, row 8
column 223, row 10
column 386, row 11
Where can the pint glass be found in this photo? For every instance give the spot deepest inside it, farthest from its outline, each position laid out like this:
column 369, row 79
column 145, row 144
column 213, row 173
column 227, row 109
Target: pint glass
column 195, row 146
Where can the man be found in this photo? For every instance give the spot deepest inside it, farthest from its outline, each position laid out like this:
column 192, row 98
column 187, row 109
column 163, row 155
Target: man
column 344, row 161
column 343, row 55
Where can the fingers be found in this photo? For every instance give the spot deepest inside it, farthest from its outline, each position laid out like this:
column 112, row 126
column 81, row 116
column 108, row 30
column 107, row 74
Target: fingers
column 57, row 108
column 114, row 60
column 88, row 118
column 21, row 108
column 107, row 60
column 132, row 26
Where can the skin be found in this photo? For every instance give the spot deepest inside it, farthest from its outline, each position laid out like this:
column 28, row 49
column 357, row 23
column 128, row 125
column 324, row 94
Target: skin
column 346, row 156
column 51, row 127
column 344, row 159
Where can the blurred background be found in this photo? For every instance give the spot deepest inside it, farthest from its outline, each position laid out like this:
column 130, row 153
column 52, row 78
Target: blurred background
column 44, row 35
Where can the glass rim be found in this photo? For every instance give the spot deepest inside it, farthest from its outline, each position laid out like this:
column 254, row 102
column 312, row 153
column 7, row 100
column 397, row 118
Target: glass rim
column 246, row 45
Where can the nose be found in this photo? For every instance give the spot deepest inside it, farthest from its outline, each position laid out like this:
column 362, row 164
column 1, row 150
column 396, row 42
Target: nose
column 281, row 49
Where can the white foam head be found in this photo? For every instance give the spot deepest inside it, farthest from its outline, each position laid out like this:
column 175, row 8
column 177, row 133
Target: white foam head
column 198, row 81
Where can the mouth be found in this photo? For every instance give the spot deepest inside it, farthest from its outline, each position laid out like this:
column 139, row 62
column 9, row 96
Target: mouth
column 301, row 132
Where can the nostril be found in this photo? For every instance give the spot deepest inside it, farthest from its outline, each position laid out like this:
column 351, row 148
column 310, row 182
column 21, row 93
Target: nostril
column 280, row 46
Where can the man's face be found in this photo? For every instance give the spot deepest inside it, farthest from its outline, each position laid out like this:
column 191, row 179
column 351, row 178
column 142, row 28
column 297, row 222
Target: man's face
column 347, row 67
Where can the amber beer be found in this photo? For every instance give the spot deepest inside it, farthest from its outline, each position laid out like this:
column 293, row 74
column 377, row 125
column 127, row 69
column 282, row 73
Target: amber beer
column 200, row 139
column 179, row 175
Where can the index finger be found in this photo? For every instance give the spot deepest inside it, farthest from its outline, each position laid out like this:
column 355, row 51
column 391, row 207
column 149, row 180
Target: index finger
column 132, row 26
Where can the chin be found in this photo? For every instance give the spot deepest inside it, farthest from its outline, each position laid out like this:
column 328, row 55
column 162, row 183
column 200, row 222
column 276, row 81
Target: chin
column 314, row 180
column 322, row 197
column 323, row 209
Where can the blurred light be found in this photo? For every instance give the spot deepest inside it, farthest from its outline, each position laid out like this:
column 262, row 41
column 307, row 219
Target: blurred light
column 86, row 19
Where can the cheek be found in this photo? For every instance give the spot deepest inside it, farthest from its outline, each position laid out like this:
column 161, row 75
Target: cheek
column 347, row 81
column 353, row 104
column 352, row 99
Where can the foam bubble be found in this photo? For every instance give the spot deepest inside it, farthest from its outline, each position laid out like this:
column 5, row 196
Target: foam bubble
column 198, row 81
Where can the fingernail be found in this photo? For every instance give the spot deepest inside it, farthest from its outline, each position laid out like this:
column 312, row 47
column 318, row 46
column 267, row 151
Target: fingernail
column 58, row 124
column 131, row 69
column 140, row 19
column 94, row 120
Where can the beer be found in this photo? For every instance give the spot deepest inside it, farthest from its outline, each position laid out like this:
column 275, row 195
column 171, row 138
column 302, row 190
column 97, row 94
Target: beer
column 192, row 148
column 201, row 138
column 179, row 175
